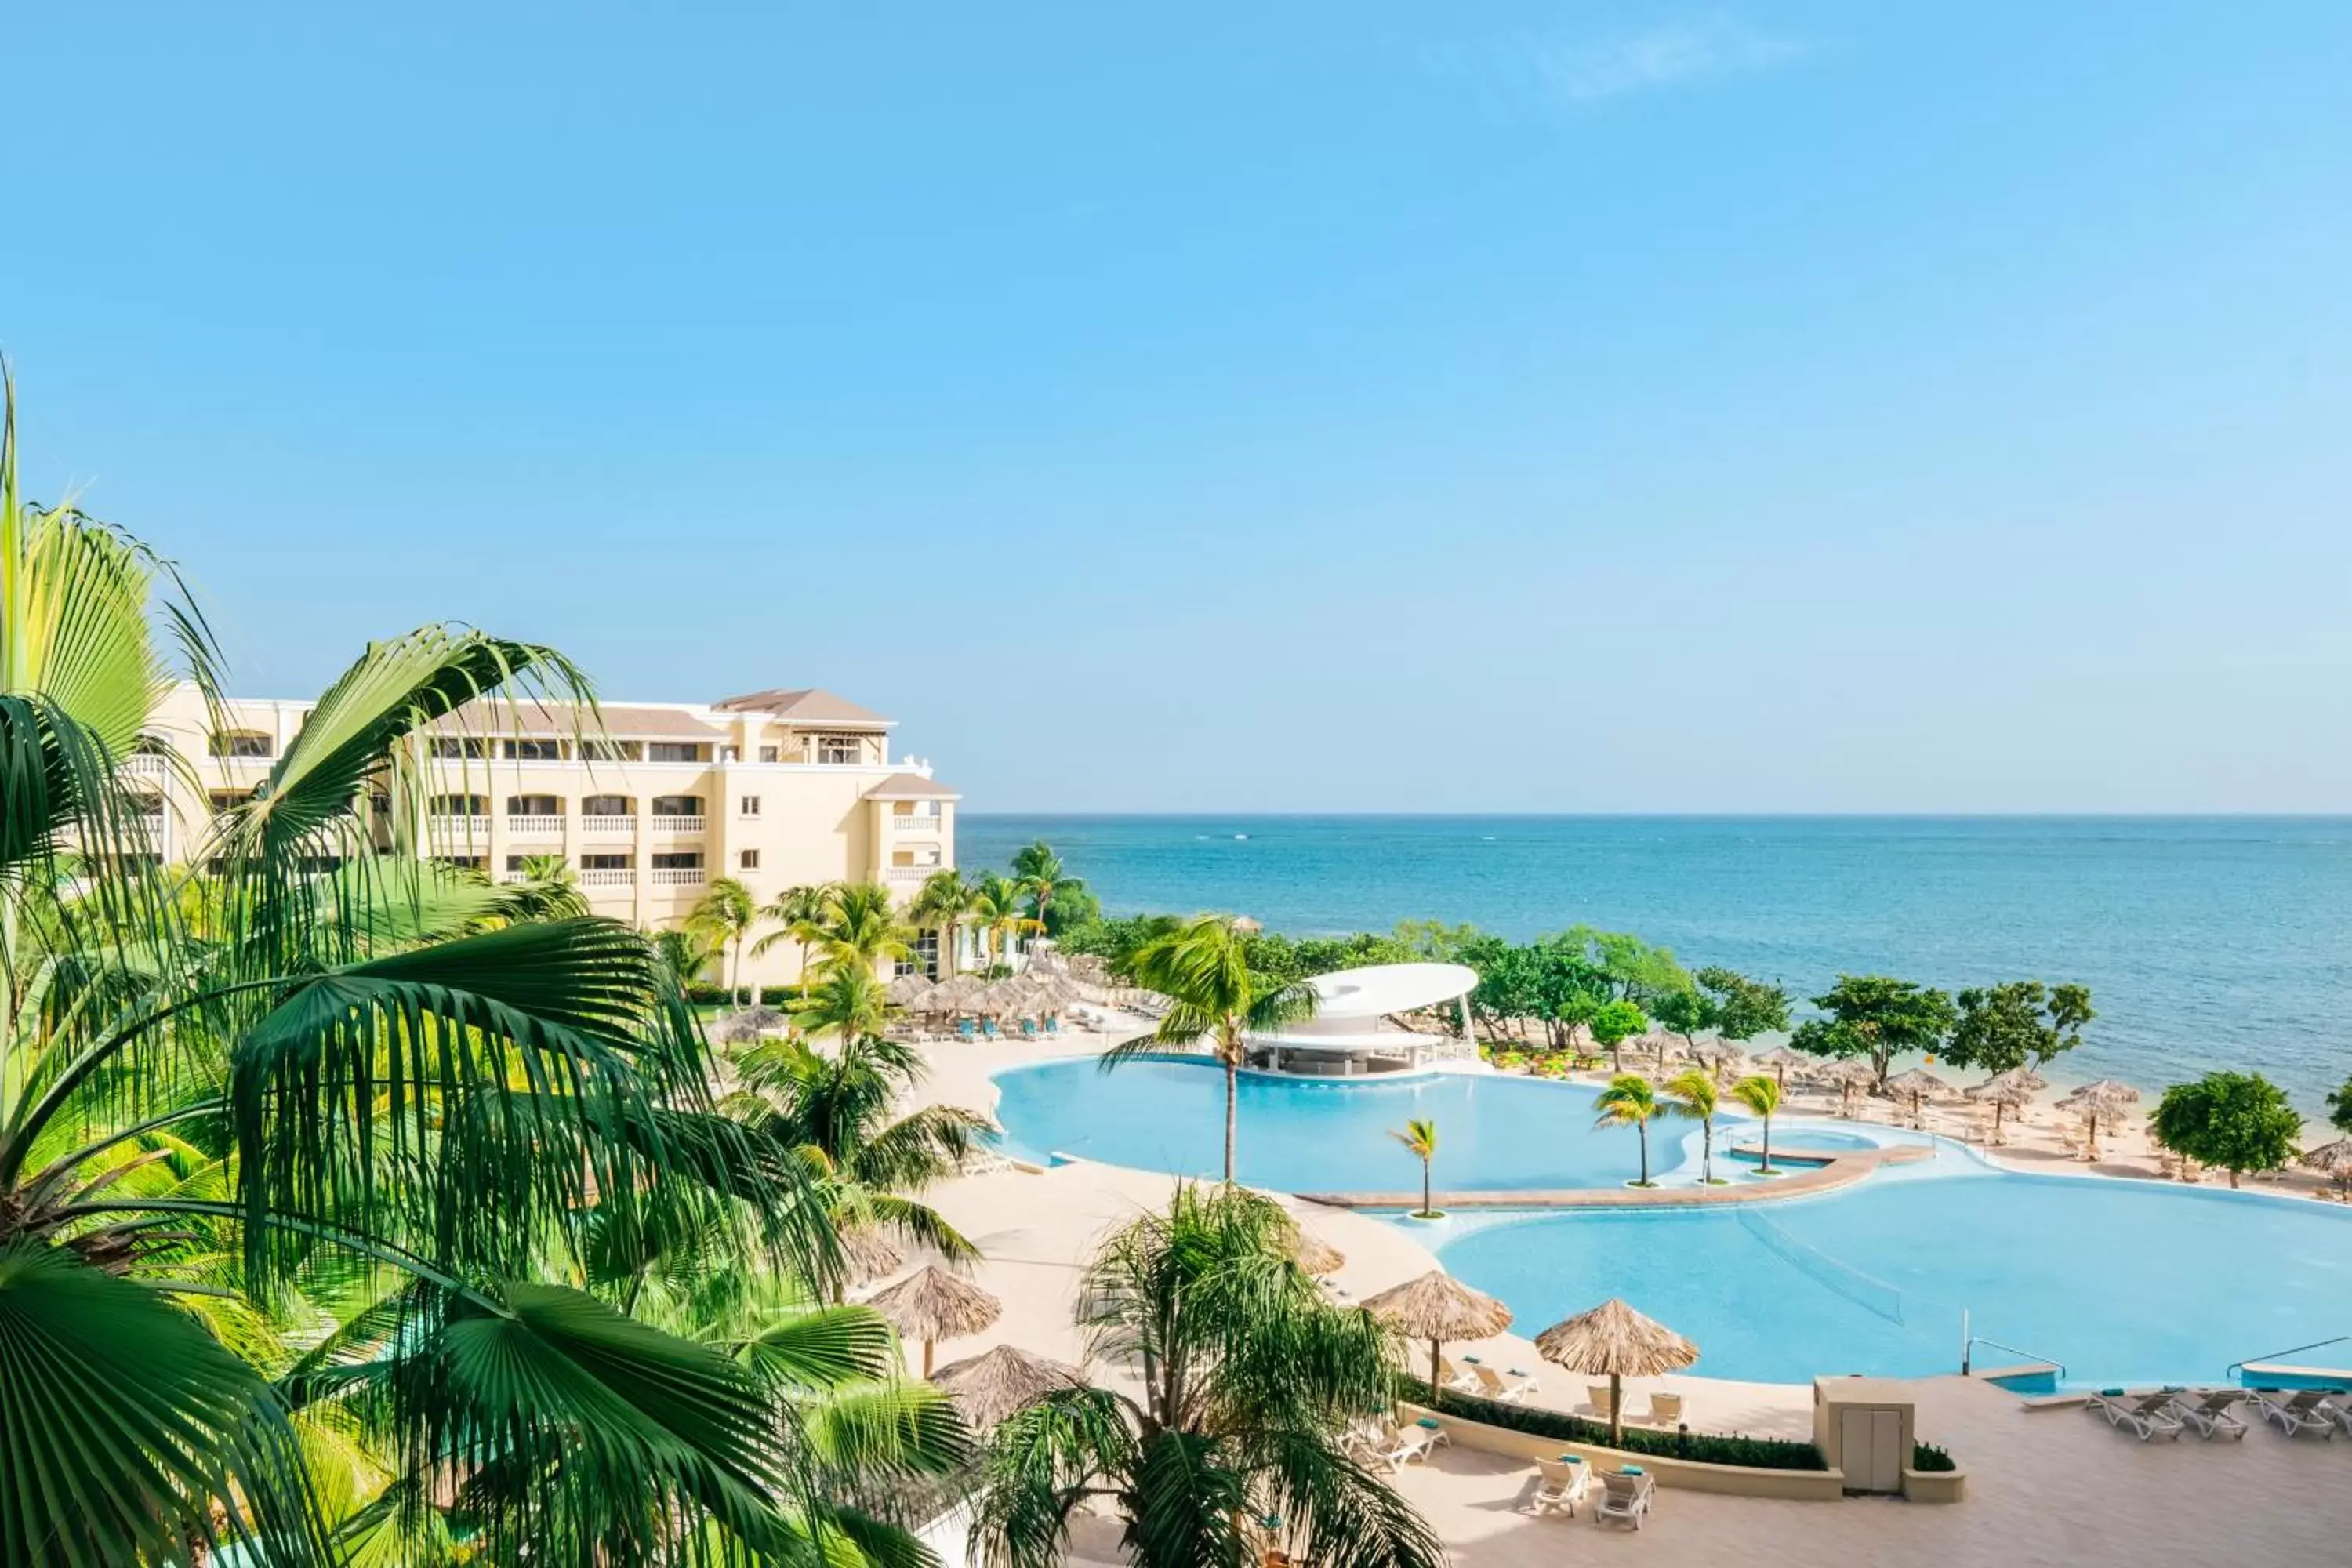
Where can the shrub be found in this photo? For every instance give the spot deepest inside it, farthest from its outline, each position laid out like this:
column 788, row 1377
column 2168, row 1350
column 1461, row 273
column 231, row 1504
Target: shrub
column 717, row 996
column 1703, row 1448
column 1928, row 1457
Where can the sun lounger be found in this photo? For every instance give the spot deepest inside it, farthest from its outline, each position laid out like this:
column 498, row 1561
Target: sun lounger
column 1566, row 1482
column 2305, row 1410
column 1487, row 1385
column 1412, row 1443
column 1625, row 1497
column 1461, row 1378
column 1596, row 1395
column 2146, row 1417
column 1666, row 1409
column 2208, row 1415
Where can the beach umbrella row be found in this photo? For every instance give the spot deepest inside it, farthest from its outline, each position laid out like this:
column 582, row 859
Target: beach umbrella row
column 2103, row 1100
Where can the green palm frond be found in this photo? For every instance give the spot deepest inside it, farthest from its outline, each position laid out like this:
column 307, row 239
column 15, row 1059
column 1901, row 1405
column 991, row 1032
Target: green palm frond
column 823, row 1349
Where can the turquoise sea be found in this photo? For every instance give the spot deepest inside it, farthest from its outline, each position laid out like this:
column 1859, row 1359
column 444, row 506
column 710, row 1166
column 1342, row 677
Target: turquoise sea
column 2207, row 942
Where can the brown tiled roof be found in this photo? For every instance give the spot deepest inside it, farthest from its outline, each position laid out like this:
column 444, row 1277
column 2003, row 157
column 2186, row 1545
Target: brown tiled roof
column 804, row 705
column 494, row 718
column 911, row 786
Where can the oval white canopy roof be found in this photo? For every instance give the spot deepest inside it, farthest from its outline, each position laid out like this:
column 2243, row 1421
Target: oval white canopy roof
column 1380, row 988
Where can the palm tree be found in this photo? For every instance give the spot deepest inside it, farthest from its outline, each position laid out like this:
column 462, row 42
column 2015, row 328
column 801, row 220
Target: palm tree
column 1202, row 968
column 684, row 953
column 997, row 906
column 1628, row 1101
column 801, row 912
column 942, row 904
column 1039, row 871
column 848, row 1000
column 1761, row 1096
column 194, row 1117
column 861, row 927
column 549, row 891
column 1248, row 1376
column 726, row 912
column 1691, row 1093
column 1421, row 1137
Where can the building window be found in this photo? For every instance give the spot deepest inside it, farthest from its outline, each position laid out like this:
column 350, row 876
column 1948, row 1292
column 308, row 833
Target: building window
column 729, row 753
column 613, row 750
column 673, row 751
column 534, row 805
column 603, row 862
column 534, row 751
column 749, row 860
column 770, row 755
column 749, row 806
column 229, row 799
column 678, row 860
column 451, row 750
column 243, row 743
column 464, row 862
column 460, row 805
column 606, row 805
column 926, row 954
column 840, row 749
column 678, row 806
column 524, row 862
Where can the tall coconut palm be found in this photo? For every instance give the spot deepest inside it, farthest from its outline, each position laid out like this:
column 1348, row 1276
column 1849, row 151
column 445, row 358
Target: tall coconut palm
column 1248, row 1377
column 848, row 1000
column 358, row 1088
column 942, row 904
column 999, row 904
column 862, row 927
column 726, row 912
column 1629, row 1101
column 1761, row 1095
column 1691, row 1093
column 1202, row 968
column 1041, row 875
column 1419, row 1136
column 800, row 913
column 684, row 954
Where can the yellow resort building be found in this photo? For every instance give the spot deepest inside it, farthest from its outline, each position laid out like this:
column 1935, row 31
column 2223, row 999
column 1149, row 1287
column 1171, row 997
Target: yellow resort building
column 647, row 802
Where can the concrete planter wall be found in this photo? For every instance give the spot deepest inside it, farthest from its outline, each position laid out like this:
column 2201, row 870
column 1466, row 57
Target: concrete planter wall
column 1686, row 1474
column 1935, row 1486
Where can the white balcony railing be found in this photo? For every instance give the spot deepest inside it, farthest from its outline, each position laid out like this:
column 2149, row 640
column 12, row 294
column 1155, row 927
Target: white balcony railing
column 521, row 826
column 677, row 824
column 678, row 875
column 608, row 827
column 144, row 764
column 514, row 879
column 914, row 823
column 906, row 876
column 476, row 828
column 624, row 878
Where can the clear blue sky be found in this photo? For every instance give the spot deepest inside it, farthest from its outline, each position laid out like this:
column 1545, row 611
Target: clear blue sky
column 1350, row 406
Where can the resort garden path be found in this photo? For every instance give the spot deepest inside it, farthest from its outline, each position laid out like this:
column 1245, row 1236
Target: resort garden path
column 2045, row 1485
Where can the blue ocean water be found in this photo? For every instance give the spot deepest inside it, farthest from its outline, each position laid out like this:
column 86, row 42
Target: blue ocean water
column 2207, row 942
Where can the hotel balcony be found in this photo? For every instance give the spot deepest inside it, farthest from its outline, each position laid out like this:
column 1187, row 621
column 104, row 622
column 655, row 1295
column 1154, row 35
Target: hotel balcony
column 520, row 826
column 914, row 823
column 908, row 876
column 144, row 765
column 463, row 829
column 677, row 824
column 608, row 827
column 678, row 875
column 625, row 878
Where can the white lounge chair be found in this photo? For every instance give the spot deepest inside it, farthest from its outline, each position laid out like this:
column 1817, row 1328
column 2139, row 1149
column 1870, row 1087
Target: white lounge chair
column 1565, row 1483
column 1411, row 1443
column 2146, row 1416
column 1666, row 1409
column 2305, row 1410
column 1464, row 1378
column 2210, row 1416
column 1624, row 1498
column 1487, row 1385
column 1596, row 1395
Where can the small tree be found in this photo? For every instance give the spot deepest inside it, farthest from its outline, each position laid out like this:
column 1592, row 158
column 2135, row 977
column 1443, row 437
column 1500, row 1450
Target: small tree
column 1876, row 1017
column 2007, row 1026
column 1629, row 1101
column 1614, row 1024
column 1761, row 1096
column 1421, row 1137
column 2235, row 1121
column 2339, row 1108
column 1691, row 1093
column 1744, row 1008
column 1685, row 1014
column 726, row 914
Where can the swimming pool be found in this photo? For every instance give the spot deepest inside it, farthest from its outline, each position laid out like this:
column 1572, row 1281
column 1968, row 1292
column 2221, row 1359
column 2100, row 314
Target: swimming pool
column 2125, row 1282
column 1495, row 1134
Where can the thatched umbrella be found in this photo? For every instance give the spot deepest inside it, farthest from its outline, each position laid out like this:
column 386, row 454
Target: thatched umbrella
column 1437, row 1307
column 2004, row 1092
column 1317, row 1256
column 988, row 1388
column 1916, row 1083
column 1780, row 1058
column 931, row 1305
column 911, row 991
column 958, row 994
column 1614, row 1340
column 2334, row 1161
column 2103, row 1099
column 869, row 1255
column 1847, row 1075
column 743, row 1029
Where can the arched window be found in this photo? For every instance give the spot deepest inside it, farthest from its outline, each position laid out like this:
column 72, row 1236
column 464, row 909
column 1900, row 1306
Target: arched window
column 534, row 805
column 460, row 805
column 607, row 806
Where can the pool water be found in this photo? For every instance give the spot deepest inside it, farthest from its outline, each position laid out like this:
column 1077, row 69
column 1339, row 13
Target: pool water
column 2125, row 1283
column 1323, row 1135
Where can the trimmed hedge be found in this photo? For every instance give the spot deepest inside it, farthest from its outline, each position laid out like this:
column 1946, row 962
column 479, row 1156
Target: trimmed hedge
column 1704, row 1447
column 716, row 996
column 1926, row 1457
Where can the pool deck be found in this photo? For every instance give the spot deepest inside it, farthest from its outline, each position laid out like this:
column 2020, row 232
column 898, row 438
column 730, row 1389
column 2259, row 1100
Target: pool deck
column 1826, row 1170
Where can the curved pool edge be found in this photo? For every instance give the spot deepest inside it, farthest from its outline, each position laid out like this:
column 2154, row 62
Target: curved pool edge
column 1828, row 1173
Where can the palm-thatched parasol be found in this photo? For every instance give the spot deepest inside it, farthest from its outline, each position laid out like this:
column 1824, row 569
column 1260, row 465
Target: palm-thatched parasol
column 1916, row 1083
column 2103, row 1100
column 1848, row 1075
column 931, row 1305
column 743, row 1028
column 1317, row 1256
column 911, row 991
column 868, row 1255
column 958, row 994
column 1780, row 1058
column 2332, row 1161
column 1614, row 1340
column 988, row 1388
column 1437, row 1307
column 2005, row 1092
